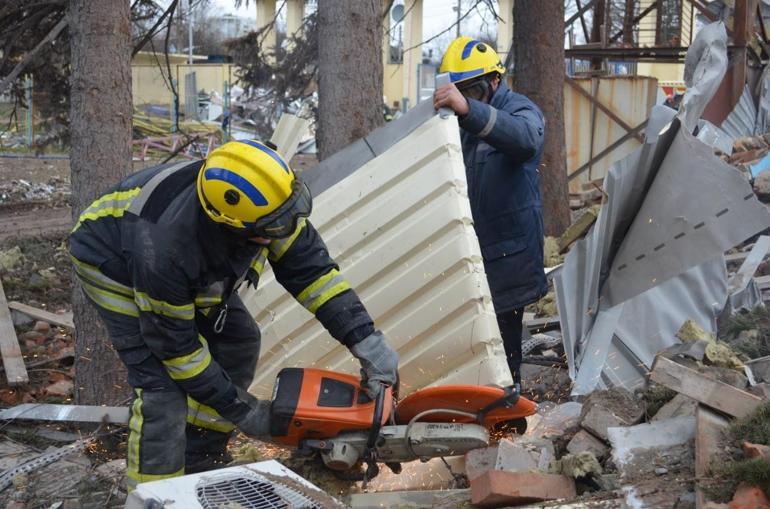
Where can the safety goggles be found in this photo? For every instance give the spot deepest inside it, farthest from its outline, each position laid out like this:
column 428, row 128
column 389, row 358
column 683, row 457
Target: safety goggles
column 477, row 89
column 282, row 222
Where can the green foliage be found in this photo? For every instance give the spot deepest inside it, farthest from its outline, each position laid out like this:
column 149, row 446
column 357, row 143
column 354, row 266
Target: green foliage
column 737, row 333
column 755, row 472
column 754, row 428
column 656, row 395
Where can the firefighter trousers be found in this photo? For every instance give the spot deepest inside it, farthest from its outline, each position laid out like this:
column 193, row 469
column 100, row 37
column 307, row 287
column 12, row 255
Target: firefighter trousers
column 170, row 433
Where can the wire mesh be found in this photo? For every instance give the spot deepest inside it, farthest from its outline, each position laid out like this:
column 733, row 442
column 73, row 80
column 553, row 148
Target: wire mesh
column 249, row 491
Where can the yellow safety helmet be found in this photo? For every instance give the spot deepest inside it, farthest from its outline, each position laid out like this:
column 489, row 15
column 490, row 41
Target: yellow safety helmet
column 468, row 58
column 249, row 187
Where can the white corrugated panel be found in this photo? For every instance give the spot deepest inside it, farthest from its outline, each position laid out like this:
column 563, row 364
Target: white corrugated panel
column 400, row 228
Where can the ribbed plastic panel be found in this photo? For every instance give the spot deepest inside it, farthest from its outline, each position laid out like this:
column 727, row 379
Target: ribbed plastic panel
column 400, row 227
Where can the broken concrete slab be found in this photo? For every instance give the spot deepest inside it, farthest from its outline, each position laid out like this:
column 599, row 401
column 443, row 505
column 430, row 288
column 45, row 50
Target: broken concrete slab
column 519, row 454
column 554, row 421
column 631, row 443
column 584, row 441
column 412, row 499
column 495, row 488
column 695, row 350
column 716, row 394
column 679, row 406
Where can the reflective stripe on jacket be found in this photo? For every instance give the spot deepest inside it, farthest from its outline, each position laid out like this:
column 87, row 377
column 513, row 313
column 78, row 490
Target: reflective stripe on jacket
column 146, row 249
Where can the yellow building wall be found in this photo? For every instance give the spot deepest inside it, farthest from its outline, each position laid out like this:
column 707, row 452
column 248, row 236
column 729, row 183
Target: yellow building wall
column 150, row 87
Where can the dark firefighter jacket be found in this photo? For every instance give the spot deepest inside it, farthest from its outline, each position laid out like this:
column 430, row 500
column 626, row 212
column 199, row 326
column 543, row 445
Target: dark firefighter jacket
column 502, row 145
column 161, row 259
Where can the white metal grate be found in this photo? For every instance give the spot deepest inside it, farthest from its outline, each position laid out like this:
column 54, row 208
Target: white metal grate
column 249, row 491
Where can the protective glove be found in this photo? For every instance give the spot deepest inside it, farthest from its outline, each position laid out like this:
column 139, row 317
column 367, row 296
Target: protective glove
column 379, row 363
column 255, row 422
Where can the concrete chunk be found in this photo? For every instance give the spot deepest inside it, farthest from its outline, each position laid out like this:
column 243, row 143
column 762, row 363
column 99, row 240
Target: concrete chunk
column 608, row 409
column 583, row 441
column 495, row 488
column 631, row 442
column 524, row 454
column 679, row 406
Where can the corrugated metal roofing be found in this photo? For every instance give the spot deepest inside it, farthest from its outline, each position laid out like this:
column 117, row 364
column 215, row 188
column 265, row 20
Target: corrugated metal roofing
column 400, row 228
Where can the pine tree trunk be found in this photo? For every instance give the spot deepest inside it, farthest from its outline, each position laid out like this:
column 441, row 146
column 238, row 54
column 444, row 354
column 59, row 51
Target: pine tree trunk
column 538, row 42
column 349, row 72
column 100, row 116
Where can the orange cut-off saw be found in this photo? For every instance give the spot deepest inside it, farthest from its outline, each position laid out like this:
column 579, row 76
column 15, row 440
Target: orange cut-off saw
column 321, row 411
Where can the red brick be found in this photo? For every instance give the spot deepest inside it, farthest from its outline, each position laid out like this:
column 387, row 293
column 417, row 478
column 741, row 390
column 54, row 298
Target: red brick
column 749, row 497
column 496, row 488
column 756, row 450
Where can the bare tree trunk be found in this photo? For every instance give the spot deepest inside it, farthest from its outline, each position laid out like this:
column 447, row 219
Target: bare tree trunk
column 100, row 116
column 349, row 72
column 628, row 23
column 538, row 42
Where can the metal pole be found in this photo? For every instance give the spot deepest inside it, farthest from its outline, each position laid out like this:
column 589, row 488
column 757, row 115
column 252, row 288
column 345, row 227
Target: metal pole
column 459, row 6
column 174, row 107
column 225, row 114
column 189, row 32
column 30, row 116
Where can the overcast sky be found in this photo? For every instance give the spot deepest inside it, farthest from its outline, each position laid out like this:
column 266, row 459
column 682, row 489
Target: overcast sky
column 437, row 16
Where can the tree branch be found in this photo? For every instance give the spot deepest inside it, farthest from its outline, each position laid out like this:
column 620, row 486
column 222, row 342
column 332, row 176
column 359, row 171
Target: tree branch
column 53, row 34
column 154, row 30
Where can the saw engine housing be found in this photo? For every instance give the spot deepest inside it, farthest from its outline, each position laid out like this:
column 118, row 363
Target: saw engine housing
column 326, row 411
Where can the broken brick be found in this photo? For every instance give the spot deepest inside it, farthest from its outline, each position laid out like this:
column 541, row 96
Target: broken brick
column 748, row 497
column 497, row 488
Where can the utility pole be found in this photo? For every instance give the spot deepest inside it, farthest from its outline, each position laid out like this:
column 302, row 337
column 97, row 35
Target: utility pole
column 459, row 6
column 189, row 32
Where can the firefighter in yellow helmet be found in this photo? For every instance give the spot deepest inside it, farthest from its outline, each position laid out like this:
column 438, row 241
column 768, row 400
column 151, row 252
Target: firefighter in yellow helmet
column 162, row 256
column 502, row 136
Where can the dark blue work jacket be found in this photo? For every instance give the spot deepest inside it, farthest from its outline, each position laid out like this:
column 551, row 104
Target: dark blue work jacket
column 502, row 146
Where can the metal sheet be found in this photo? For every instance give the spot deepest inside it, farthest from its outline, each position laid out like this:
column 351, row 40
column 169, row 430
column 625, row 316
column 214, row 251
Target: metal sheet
column 66, row 413
column 635, row 265
column 630, row 97
column 400, row 227
column 744, row 293
column 676, row 228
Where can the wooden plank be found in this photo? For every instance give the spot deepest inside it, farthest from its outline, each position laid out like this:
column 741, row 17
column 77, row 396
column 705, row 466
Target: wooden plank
column 64, row 320
column 713, row 393
column 15, row 371
column 708, row 428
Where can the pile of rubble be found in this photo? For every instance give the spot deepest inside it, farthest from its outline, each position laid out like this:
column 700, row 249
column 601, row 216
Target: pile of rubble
column 696, row 434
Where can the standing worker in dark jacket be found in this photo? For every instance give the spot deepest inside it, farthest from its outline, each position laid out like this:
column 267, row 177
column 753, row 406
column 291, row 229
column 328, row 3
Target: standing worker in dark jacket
column 162, row 256
column 502, row 141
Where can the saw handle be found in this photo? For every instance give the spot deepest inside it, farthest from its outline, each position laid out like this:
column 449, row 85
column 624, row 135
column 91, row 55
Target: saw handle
column 508, row 400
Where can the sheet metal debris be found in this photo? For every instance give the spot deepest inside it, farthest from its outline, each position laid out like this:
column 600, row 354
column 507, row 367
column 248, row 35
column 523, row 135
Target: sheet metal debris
column 68, row 413
column 654, row 257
